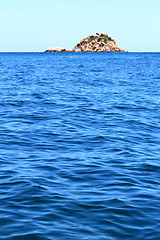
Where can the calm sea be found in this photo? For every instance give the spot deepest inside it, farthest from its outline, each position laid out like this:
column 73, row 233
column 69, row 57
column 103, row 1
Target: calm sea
column 79, row 146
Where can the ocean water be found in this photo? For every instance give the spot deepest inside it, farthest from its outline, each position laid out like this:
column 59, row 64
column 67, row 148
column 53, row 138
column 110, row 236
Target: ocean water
column 79, row 146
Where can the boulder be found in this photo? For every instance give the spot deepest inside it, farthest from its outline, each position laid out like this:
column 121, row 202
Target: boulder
column 57, row 49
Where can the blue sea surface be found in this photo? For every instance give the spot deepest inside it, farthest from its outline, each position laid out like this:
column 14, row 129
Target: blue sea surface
column 80, row 146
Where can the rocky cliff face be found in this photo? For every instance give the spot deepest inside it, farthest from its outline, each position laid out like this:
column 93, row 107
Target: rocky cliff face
column 98, row 43
column 101, row 42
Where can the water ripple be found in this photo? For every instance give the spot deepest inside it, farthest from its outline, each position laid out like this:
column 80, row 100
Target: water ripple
column 79, row 141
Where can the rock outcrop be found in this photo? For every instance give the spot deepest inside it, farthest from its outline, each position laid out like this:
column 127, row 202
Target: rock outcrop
column 57, row 49
column 100, row 42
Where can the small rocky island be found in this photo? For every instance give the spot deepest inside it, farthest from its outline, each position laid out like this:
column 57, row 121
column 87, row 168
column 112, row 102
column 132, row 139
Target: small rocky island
column 100, row 42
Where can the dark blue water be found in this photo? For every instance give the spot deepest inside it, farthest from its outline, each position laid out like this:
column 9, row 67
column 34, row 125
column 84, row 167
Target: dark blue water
column 79, row 146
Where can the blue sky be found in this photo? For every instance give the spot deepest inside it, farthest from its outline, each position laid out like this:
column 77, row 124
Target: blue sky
column 35, row 25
